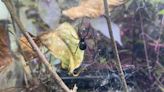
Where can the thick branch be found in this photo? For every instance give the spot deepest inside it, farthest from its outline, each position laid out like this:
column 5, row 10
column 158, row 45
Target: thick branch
column 118, row 63
column 35, row 47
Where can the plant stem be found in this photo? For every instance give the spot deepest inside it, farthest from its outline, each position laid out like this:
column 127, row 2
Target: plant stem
column 144, row 42
column 118, row 63
column 35, row 47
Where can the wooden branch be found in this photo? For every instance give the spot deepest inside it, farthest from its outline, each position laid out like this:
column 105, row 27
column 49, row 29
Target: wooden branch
column 116, row 55
column 144, row 42
column 35, row 47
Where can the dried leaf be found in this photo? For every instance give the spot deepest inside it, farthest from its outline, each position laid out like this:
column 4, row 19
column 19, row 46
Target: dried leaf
column 50, row 12
column 100, row 24
column 27, row 49
column 62, row 43
column 5, row 55
column 91, row 8
column 12, row 76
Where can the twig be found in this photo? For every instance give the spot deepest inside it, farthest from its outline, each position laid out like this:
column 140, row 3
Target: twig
column 144, row 42
column 35, row 47
column 118, row 63
column 27, row 75
column 158, row 83
column 157, row 45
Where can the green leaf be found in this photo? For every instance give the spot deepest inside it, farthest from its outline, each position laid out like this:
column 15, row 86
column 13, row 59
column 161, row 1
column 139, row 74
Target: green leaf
column 161, row 12
column 155, row 1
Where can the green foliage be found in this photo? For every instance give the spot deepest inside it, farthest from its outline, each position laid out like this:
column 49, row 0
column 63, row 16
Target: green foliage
column 161, row 12
column 155, row 1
